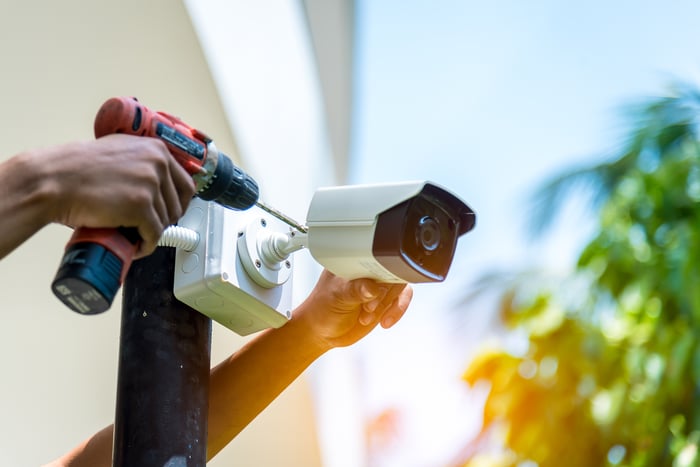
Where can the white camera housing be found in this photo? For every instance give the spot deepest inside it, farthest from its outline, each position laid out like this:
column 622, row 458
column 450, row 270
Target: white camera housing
column 395, row 232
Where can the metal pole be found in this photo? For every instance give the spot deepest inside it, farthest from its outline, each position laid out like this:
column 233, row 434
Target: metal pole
column 163, row 376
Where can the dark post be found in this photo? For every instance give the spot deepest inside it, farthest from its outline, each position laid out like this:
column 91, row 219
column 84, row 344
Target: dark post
column 163, row 379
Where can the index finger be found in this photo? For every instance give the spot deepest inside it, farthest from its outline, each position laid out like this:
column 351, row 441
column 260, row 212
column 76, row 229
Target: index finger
column 184, row 183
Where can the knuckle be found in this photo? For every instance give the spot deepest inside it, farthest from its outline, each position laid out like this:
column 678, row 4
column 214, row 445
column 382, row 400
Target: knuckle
column 140, row 199
column 156, row 151
column 156, row 143
column 161, row 162
column 175, row 216
column 186, row 198
column 152, row 230
column 150, row 178
column 188, row 190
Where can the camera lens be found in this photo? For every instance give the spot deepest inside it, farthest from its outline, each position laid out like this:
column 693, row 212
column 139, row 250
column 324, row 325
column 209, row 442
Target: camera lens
column 416, row 239
column 428, row 234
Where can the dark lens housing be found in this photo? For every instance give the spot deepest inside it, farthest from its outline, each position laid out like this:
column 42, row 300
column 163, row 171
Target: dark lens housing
column 416, row 239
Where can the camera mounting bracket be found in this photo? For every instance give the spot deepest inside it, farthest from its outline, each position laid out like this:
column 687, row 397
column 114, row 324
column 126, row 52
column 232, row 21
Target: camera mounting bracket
column 262, row 266
column 214, row 279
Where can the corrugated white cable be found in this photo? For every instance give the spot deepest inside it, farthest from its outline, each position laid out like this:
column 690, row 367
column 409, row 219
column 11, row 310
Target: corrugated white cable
column 179, row 237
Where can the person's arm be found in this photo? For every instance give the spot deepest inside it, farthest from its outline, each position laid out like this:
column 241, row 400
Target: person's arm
column 96, row 451
column 117, row 180
column 24, row 201
column 337, row 313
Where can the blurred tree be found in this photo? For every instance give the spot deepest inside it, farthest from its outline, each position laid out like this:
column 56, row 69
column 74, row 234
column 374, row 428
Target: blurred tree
column 611, row 374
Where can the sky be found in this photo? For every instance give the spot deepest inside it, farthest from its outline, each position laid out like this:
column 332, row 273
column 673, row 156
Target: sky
column 489, row 99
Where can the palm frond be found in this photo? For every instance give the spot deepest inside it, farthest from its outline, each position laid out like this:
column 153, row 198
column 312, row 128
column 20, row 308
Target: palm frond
column 592, row 182
column 658, row 126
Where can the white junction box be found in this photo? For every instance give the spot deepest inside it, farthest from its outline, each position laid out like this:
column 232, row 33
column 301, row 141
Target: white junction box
column 222, row 276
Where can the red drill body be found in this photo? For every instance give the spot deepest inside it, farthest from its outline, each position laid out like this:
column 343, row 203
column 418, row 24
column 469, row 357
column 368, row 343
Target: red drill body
column 127, row 115
column 96, row 260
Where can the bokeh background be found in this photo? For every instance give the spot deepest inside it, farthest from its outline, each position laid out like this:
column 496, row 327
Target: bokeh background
column 495, row 100
column 550, row 343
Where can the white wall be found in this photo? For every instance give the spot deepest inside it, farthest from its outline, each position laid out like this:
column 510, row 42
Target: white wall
column 60, row 61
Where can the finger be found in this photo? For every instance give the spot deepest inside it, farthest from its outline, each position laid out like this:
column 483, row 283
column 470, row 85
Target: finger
column 183, row 185
column 364, row 290
column 144, row 250
column 164, row 196
column 366, row 318
column 161, row 208
column 382, row 306
column 374, row 309
column 387, row 299
column 150, row 232
column 172, row 201
column 398, row 308
column 377, row 301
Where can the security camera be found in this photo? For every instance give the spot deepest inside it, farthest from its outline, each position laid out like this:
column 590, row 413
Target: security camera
column 396, row 232
column 237, row 267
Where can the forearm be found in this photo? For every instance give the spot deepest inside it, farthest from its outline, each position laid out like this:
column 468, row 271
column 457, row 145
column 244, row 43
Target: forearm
column 241, row 387
column 245, row 383
column 95, row 451
column 24, row 199
column 336, row 314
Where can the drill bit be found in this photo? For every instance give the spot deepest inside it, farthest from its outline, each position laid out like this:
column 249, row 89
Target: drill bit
column 281, row 216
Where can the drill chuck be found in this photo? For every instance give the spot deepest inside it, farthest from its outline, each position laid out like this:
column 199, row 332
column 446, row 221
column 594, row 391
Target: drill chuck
column 230, row 186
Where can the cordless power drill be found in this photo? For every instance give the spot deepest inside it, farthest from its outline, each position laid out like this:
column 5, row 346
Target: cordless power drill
column 96, row 260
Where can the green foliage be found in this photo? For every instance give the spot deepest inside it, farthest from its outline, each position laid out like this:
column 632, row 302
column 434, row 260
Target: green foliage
column 613, row 377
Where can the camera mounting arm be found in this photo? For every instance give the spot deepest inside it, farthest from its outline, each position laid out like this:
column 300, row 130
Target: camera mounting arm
column 265, row 252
